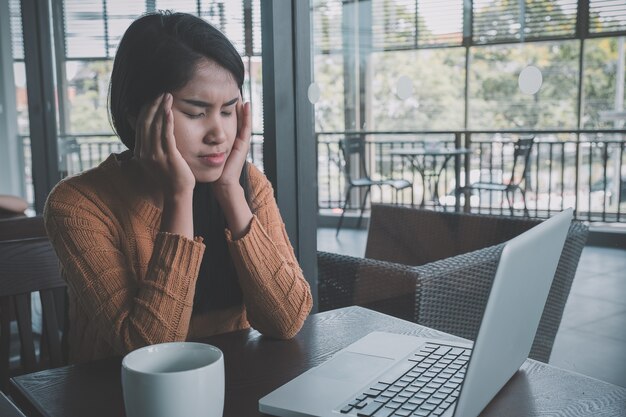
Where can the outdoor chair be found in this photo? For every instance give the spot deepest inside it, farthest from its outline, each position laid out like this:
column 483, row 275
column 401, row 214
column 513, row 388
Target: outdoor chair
column 353, row 148
column 30, row 266
column 436, row 269
column 517, row 180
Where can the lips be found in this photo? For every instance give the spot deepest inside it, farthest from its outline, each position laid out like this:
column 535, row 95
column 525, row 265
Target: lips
column 213, row 159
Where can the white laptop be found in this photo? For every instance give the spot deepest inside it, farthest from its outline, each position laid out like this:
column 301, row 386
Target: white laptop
column 385, row 374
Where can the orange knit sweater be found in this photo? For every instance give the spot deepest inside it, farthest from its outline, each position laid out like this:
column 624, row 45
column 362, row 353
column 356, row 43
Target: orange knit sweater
column 130, row 285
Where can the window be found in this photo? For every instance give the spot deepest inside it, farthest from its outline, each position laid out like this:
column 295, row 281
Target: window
column 607, row 16
column 497, row 21
column 495, row 100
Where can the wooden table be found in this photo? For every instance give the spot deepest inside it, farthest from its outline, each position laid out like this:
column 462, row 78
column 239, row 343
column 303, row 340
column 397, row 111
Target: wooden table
column 256, row 365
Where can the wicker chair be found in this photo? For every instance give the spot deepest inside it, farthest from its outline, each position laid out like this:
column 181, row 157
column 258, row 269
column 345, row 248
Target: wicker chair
column 445, row 263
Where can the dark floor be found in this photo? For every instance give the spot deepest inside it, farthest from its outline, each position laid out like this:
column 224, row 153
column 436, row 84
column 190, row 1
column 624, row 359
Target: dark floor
column 592, row 336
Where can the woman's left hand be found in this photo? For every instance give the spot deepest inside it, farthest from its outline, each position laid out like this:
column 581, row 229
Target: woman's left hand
column 239, row 152
column 228, row 191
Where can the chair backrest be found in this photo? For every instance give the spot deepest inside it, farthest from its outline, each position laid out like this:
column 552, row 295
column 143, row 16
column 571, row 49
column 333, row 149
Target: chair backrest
column 345, row 280
column 521, row 156
column 29, row 266
column 22, row 228
column 353, row 147
column 413, row 236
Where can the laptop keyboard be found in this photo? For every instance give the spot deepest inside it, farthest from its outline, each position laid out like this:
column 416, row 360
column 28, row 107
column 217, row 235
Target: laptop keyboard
column 425, row 384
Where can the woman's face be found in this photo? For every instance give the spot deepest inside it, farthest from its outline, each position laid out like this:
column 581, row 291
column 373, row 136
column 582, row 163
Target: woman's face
column 205, row 120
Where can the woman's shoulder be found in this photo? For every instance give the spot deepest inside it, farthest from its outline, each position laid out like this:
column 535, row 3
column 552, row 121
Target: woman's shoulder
column 89, row 187
column 91, row 178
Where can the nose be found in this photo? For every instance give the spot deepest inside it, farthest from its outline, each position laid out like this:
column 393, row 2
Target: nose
column 215, row 133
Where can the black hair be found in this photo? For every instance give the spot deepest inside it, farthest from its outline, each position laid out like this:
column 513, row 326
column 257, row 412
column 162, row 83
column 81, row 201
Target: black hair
column 159, row 53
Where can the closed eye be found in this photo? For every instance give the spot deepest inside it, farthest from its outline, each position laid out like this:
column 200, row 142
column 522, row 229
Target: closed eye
column 194, row 116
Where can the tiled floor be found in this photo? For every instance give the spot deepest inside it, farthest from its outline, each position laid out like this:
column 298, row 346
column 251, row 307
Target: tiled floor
column 592, row 336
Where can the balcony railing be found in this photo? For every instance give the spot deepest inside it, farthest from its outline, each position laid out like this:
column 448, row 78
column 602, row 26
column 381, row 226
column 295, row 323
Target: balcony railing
column 568, row 168
column 585, row 170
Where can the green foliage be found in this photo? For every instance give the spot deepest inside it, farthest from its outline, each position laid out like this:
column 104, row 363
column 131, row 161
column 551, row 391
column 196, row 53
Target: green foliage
column 87, row 98
column 438, row 75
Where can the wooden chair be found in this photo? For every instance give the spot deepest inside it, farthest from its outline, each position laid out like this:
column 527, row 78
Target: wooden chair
column 21, row 228
column 28, row 266
column 436, row 269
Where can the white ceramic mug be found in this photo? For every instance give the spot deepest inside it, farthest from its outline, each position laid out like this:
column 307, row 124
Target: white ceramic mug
column 174, row 379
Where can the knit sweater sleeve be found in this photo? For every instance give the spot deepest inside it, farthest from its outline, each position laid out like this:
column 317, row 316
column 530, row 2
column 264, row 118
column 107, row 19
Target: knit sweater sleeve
column 276, row 295
column 129, row 308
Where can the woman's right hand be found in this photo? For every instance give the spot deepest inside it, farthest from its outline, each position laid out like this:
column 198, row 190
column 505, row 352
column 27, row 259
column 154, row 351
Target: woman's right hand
column 156, row 151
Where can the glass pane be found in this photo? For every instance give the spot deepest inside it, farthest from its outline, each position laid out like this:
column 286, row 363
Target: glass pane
column 185, row 6
column 440, row 22
column 87, row 89
column 495, row 97
column 17, row 44
column 22, row 145
column 84, row 27
column 607, row 16
column 438, row 79
column 93, row 30
column 603, row 83
column 121, row 14
column 19, row 73
column 502, row 21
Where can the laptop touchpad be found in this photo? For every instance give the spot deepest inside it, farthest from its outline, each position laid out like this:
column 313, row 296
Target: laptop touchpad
column 350, row 366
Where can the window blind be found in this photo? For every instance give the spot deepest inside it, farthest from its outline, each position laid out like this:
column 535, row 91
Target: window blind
column 327, row 26
column 496, row 21
column 256, row 28
column 404, row 24
column 607, row 16
column 17, row 39
column 440, row 22
column 93, row 28
column 394, row 24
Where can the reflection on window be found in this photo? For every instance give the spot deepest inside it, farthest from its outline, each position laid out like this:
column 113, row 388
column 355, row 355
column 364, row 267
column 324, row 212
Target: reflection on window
column 92, row 32
column 600, row 87
column 438, row 77
column 496, row 101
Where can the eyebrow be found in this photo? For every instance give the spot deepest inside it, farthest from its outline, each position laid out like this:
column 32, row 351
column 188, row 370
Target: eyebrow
column 204, row 104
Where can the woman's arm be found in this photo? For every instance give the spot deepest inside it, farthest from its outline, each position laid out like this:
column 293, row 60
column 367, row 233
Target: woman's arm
column 227, row 189
column 132, row 303
column 276, row 295
column 163, row 168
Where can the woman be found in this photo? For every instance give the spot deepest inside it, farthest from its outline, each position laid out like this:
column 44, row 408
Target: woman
column 177, row 238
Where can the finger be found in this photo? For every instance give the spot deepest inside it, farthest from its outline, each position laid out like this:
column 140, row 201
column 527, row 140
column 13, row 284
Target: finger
column 246, row 123
column 156, row 129
column 169, row 141
column 239, row 110
column 148, row 126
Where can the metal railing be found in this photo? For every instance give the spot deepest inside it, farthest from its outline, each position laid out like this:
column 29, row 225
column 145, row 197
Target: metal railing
column 582, row 169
